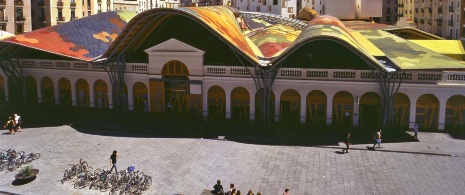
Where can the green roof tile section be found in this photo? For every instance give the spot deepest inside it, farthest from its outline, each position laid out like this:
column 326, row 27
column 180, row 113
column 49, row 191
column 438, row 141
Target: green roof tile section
column 408, row 55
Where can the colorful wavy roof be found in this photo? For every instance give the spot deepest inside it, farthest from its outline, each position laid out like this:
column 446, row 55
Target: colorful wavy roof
column 83, row 39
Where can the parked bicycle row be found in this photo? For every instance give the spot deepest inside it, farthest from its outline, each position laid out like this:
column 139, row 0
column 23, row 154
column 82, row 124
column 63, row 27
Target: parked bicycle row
column 11, row 159
column 127, row 181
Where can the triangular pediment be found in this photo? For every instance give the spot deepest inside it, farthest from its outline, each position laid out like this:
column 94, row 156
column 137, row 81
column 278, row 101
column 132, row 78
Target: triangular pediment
column 173, row 45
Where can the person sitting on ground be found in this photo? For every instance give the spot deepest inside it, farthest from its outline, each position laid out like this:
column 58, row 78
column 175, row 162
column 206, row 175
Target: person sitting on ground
column 286, row 192
column 232, row 191
column 217, row 188
column 250, row 192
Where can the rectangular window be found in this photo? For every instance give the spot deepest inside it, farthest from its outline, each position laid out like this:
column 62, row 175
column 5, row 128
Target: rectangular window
column 89, row 13
column 19, row 28
column 19, row 14
column 275, row 2
column 283, row 3
column 291, row 16
column 73, row 14
column 290, row 10
column 258, row 8
column 3, row 27
column 269, row 8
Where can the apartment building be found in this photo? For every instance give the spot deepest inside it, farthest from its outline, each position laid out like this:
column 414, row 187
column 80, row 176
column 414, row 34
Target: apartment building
column 286, row 8
column 15, row 16
column 52, row 12
column 390, row 12
column 440, row 17
column 130, row 6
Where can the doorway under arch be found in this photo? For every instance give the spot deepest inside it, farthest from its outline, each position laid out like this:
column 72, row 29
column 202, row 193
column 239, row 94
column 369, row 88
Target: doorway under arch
column 369, row 110
column 401, row 111
column 100, row 94
column 65, row 92
column 82, row 93
column 48, row 91
column 455, row 112
column 240, row 104
column 427, row 111
column 259, row 107
column 140, row 94
column 176, row 86
column 31, row 90
column 343, row 109
column 290, row 106
column 316, row 107
column 216, row 102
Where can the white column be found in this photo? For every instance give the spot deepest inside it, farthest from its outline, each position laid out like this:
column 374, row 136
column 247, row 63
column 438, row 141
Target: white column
column 252, row 107
column 277, row 107
column 130, row 97
column 39, row 93
column 228, row 104
column 442, row 113
column 355, row 114
column 413, row 113
column 329, row 109
column 303, row 108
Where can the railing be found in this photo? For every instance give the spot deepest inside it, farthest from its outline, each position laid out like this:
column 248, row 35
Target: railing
column 61, row 19
column 451, row 8
column 72, row 4
column 20, row 19
column 2, row 2
column 60, row 4
column 73, row 18
column 3, row 19
column 400, row 15
column 430, row 10
column 431, row 77
column 401, row 5
column 439, row 21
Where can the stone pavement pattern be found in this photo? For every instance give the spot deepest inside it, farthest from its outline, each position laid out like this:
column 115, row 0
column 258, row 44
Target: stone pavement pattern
column 187, row 166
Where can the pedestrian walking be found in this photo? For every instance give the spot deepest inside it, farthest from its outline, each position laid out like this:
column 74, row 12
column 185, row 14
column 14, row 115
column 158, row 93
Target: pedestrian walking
column 10, row 125
column 347, row 142
column 379, row 139
column 113, row 161
column 415, row 130
column 17, row 122
column 286, row 191
column 376, row 139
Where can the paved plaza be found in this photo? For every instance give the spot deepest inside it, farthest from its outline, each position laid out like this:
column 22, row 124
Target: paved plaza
column 188, row 166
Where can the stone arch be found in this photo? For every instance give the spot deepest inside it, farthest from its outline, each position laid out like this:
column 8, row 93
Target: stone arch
column 427, row 111
column 259, row 106
column 140, row 94
column 47, row 90
column 455, row 112
column 31, row 90
column 82, row 93
column 290, row 106
column 216, row 102
column 343, row 109
column 100, row 94
column 65, row 92
column 401, row 111
column 369, row 110
column 316, row 107
column 240, row 103
column 175, row 68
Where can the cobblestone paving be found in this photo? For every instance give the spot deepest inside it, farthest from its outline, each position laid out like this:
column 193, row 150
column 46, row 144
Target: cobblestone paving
column 188, row 166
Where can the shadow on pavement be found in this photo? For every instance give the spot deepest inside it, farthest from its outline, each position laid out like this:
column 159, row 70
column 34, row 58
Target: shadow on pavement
column 19, row 182
column 161, row 125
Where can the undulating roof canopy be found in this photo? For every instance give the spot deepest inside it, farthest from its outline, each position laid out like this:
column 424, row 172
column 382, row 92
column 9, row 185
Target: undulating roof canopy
column 229, row 38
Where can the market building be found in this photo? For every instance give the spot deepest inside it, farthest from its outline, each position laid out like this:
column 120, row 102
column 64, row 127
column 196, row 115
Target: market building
column 227, row 64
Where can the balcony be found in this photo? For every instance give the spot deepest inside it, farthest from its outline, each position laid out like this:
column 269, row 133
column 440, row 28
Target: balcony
column 451, row 9
column 42, row 19
column 430, row 10
column 400, row 15
column 422, row 10
column 439, row 21
column 20, row 19
column 60, row 4
column 451, row 23
column 401, row 5
column 60, row 19
column 416, row 10
column 2, row 3
column 99, row 1
column 440, row 10
column 430, row 22
column 19, row 3
column 73, row 18
column 3, row 19
column 422, row 21
column 72, row 5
